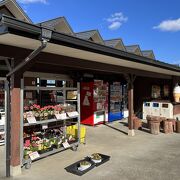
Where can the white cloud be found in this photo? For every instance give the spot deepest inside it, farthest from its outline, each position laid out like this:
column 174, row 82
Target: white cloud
column 169, row 25
column 32, row 1
column 116, row 20
column 114, row 25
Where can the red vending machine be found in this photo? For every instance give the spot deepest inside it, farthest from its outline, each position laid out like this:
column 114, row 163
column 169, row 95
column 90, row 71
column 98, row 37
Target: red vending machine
column 94, row 102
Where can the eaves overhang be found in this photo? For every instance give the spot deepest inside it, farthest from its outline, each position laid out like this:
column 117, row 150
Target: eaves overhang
column 14, row 27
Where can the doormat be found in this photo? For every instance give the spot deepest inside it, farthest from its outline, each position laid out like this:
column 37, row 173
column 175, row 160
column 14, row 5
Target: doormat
column 88, row 163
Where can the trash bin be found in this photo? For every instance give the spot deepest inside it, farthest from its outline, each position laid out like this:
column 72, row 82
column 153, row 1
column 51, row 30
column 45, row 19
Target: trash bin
column 178, row 126
column 154, row 127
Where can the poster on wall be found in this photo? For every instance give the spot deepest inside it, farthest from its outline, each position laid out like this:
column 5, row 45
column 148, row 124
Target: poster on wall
column 156, row 91
column 71, row 95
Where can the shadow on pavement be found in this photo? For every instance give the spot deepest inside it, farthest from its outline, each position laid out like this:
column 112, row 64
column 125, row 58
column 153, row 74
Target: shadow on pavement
column 116, row 129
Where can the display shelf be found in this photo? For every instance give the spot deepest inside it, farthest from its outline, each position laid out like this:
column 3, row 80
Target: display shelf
column 54, row 151
column 70, row 88
column 60, row 123
column 49, row 121
column 47, row 88
column 115, row 101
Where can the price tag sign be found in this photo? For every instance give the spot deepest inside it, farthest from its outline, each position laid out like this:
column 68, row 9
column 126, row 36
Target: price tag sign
column 73, row 114
column 31, row 120
column 66, row 145
column 34, row 155
column 61, row 116
column 45, row 126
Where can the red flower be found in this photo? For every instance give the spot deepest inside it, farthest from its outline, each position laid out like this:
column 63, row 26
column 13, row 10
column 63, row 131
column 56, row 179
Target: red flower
column 26, row 108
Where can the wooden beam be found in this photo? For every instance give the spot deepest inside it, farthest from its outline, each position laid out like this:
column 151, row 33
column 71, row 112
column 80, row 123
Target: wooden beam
column 15, row 124
column 130, row 79
column 44, row 58
column 19, row 54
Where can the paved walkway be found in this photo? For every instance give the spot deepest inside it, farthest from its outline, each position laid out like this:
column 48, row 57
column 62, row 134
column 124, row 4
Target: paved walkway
column 143, row 157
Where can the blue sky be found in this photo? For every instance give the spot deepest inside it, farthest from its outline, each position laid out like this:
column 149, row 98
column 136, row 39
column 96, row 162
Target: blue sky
column 152, row 24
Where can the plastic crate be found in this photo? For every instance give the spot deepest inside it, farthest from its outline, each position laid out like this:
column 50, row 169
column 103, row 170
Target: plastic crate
column 73, row 130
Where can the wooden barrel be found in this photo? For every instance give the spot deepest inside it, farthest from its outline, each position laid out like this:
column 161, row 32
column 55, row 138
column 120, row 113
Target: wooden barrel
column 178, row 126
column 165, row 127
column 170, row 126
column 154, row 127
column 173, row 123
column 148, row 118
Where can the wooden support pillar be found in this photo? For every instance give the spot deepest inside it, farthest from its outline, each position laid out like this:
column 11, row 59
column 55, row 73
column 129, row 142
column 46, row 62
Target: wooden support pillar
column 15, row 160
column 130, row 79
column 130, row 105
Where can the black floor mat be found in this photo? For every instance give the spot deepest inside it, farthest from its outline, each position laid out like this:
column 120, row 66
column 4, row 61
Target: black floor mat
column 73, row 168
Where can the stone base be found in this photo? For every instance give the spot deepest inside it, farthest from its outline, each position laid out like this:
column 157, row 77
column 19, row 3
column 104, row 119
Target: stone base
column 15, row 171
column 131, row 132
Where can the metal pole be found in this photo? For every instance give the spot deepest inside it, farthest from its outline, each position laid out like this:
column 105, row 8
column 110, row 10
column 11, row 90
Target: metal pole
column 79, row 111
column 7, row 127
column 29, row 58
column 21, row 121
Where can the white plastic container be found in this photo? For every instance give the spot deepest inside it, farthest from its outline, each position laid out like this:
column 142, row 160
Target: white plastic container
column 166, row 110
column 147, row 109
column 156, row 109
column 176, row 93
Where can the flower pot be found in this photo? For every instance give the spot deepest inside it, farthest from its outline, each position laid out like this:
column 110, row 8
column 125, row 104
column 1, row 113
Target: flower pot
column 26, row 157
column 41, row 118
column 178, row 126
column 137, row 123
column 45, row 118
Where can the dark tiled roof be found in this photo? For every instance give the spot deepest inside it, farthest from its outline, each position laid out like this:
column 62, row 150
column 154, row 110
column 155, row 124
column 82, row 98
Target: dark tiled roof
column 14, row 2
column 114, row 42
column 51, row 23
column 87, row 35
column 133, row 48
column 54, row 22
column 148, row 53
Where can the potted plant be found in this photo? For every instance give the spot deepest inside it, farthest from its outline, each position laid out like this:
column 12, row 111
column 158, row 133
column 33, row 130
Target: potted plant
column 37, row 115
column 26, row 154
